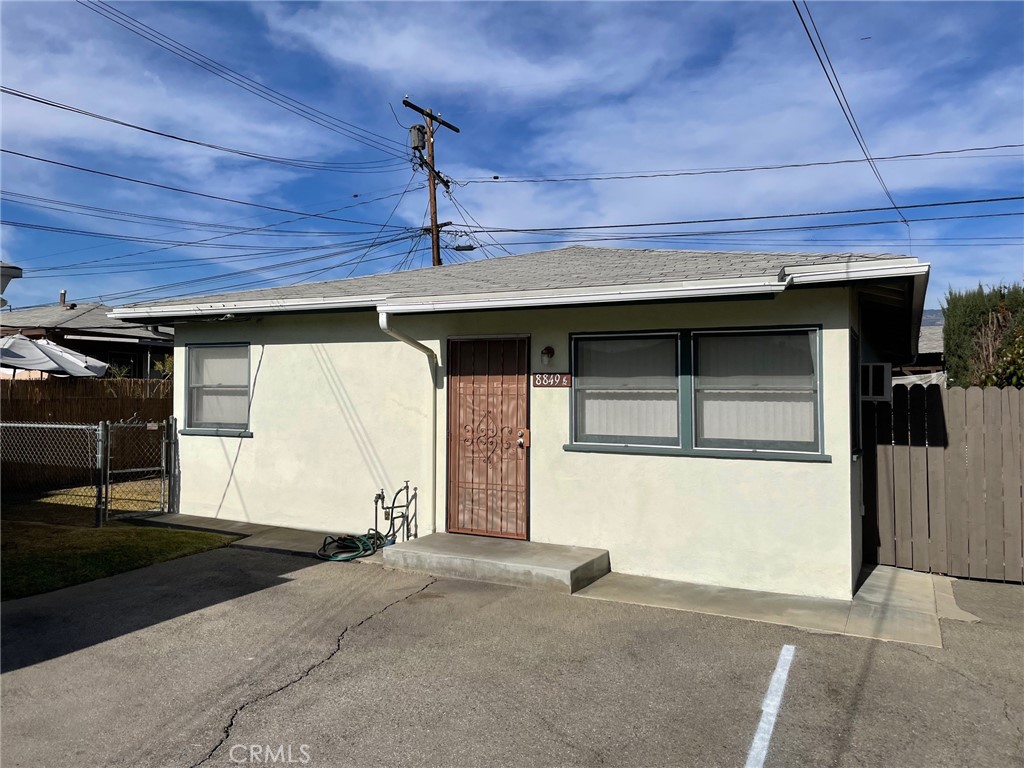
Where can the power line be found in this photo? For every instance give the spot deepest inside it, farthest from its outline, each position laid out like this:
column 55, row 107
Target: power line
column 233, row 287
column 416, row 243
column 216, row 278
column 685, row 236
column 370, row 166
column 465, row 213
column 667, row 236
column 380, row 232
column 844, row 104
column 130, row 217
column 670, row 173
column 184, row 191
column 750, row 218
column 196, row 263
column 207, row 240
column 314, row 115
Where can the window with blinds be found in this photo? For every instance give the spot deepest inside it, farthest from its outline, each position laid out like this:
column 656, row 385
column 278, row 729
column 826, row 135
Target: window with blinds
column 626, row 390
column 699, row 391
column 756, row 390
column 218, row 387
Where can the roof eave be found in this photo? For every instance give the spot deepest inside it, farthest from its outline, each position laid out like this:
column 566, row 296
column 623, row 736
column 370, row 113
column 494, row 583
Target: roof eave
column 604, row 295
column 824, row 274
column 259, row 306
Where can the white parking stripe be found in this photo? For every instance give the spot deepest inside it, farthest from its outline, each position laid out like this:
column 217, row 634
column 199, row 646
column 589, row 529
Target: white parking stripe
column 770, row 709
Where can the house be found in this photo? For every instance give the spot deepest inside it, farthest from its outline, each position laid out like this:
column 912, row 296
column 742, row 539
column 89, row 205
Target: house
column 130, row 348
column 929, row 365
column 8, row 272
column 690, row 412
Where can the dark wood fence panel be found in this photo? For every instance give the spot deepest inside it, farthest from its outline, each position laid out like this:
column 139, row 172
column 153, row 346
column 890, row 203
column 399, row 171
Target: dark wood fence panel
column 944, row 481
column 84, row 401
column 1013, row 479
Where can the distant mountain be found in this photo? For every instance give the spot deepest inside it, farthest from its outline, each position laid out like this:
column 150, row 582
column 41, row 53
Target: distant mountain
column 931, row 317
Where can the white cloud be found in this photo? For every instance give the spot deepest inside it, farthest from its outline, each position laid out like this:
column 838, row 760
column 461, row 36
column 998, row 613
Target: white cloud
column 543, row 89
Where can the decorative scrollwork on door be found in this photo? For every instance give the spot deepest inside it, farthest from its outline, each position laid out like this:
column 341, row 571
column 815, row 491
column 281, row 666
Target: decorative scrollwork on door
column 491, row 441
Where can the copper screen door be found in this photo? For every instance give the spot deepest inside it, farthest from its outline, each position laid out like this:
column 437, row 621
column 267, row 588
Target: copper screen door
column 488, row 437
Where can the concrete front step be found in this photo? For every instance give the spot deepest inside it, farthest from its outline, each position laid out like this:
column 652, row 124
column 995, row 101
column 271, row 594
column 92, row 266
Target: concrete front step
column 550, row 567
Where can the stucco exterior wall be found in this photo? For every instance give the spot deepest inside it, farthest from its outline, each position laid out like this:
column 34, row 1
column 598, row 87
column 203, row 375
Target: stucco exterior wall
column 339, row 409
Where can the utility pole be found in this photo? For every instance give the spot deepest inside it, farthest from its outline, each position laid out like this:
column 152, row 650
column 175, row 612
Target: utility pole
column 419, row 141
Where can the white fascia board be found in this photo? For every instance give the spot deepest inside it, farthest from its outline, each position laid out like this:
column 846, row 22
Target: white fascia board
column 259, row 306
column 835, row 273
column 125, row 340
column 611, row 294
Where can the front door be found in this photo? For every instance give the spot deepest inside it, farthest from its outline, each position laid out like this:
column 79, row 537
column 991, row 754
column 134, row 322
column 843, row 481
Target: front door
column 488, row 437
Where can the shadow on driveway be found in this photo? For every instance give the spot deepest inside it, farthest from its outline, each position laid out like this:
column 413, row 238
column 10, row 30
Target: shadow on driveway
column 42, row 627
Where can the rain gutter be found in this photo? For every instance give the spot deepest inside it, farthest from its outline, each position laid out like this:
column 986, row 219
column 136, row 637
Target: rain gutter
column 384, row 321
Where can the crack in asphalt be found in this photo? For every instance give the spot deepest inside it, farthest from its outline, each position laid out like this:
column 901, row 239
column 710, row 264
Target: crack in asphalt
column 303, row 675
column 981, row 684
column 1017, row 728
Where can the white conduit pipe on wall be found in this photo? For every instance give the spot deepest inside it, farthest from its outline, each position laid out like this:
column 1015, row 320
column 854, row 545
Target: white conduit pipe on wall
column 384, row 320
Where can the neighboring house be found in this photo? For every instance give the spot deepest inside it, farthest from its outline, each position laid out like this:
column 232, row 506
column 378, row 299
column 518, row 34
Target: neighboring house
column 929, row 365
column 689, row 412
column 131, row 348
column 8, row 272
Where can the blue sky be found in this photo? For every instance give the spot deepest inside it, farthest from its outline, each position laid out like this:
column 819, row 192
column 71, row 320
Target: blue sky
column 539, row 90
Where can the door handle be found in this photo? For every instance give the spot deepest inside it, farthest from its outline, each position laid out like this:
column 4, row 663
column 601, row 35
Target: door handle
column 523, row 438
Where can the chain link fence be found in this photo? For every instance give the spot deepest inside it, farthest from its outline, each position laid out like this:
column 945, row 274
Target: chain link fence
column 111, row 468
column 136, row 467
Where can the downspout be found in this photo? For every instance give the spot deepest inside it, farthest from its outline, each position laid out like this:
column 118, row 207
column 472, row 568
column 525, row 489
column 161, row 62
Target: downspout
column 384, row 320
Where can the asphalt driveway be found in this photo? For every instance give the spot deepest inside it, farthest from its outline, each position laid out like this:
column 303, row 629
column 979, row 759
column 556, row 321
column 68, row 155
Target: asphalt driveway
column 236, row 657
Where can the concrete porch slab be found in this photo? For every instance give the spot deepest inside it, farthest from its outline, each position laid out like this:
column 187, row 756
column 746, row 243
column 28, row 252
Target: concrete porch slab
column 891, row 605
column 550, row 567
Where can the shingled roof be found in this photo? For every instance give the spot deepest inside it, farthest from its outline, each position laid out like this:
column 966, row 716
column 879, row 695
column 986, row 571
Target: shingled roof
column 76, row 318
column 564, row 272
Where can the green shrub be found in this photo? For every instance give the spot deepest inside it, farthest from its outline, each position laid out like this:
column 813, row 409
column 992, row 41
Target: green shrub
column 983, row 336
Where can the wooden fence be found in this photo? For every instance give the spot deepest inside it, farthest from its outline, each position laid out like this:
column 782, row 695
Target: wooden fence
column 84, row 401
column 943, row 472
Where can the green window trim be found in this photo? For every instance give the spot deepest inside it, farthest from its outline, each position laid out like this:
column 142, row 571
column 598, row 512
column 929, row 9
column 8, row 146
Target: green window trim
column 600, row 439
column 698, row 453
column 687, row 399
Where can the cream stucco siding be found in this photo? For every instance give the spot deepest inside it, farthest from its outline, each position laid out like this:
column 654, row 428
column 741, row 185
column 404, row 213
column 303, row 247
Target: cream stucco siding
column 340, row 410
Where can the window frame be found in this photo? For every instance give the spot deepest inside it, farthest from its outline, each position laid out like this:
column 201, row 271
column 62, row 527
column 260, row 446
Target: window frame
column 677, row 336
column 756, row 446
column 217, row 431
column 687, row 399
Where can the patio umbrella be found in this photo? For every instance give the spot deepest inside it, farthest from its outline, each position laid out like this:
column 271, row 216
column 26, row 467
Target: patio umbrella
column 26, row 354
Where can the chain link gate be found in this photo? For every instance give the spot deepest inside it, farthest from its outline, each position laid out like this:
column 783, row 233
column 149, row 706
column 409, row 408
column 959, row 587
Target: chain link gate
column 137, row 466
column 114, row 468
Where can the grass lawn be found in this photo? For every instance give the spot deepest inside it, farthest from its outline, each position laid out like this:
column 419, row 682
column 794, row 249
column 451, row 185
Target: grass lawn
column 49, row 546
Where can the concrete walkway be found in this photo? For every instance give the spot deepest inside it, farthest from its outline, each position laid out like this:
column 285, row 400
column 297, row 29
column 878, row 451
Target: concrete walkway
column 265, row 538
column 891, row 604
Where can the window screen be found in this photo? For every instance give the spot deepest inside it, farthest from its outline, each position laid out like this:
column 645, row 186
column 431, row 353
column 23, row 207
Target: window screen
column 218, row 387
column 627, row 390
column 756, row 390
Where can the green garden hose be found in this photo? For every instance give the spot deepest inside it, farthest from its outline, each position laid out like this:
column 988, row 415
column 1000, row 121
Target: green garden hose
column 344, row 548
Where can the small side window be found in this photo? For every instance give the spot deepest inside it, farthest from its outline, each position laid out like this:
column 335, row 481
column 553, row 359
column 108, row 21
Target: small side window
column 218, row 387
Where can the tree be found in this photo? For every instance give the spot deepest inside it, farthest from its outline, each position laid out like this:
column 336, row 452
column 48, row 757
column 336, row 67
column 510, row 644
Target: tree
column 164, row 366
column 983, row 336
